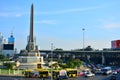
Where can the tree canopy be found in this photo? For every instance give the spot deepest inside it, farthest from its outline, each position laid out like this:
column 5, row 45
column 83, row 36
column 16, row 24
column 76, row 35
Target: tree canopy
column 2, row 57
column 88, row 48
column 60, row 49
column 74, row 63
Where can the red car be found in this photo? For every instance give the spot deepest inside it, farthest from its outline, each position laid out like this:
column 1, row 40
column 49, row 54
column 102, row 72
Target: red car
column 81, row 74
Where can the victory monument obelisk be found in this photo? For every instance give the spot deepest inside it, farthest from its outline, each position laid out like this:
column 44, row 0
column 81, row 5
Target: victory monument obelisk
column 31, row 43
column 30, row 58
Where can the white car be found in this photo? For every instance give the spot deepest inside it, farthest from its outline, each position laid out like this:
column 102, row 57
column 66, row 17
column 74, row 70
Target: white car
column 89, row 74
column 98, row 71
column 85, row 71
column 114, row 72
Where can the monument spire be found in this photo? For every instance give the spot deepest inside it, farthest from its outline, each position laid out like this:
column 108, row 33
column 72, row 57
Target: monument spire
column 32, row 24
column 31, row 44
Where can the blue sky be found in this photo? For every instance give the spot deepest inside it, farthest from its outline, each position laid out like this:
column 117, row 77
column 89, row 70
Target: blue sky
column 61, row 21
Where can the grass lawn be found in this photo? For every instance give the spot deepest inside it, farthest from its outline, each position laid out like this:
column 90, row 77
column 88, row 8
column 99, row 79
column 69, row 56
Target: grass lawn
column 7, row 71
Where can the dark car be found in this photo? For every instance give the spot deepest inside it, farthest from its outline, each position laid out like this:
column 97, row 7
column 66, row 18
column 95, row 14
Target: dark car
column 118, row 70
column 113, row 77
column 63, row 77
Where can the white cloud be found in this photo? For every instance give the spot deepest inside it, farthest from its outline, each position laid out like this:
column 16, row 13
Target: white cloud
column 109, row 23
column 18, row 15
column 112, row 25
column 69, row 10
column 10, row 14
column 46, row 22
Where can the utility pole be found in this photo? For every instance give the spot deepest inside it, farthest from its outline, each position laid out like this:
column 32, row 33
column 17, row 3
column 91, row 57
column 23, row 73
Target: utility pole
column 83, row 29
column 51, row 61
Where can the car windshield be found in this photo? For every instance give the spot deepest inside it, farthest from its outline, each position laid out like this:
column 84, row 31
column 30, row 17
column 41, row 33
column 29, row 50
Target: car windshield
column 84, row 71
column 88, row 73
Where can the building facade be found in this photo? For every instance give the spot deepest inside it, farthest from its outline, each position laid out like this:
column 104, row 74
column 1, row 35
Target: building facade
column 7, row 45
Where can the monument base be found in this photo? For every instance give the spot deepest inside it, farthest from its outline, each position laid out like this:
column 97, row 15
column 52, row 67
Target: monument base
column 30, row 60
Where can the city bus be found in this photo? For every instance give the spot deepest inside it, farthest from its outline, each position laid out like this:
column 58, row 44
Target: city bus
column 71, row 72
column 43, row 73
column 34, row 74
column 55, row 74
column 27, row 73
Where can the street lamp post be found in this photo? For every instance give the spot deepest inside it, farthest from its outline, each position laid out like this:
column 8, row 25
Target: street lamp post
column 83, row 29
column 51, row 61
column 103, row 59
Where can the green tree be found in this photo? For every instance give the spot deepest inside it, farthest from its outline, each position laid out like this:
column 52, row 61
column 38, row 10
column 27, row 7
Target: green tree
column 55, row 65
column 63, row 66
column 60, row 61
column 78, row 50
column 2, row 57
column 9, row 65
column 88, row 48
column 70, row 64
column 48, row 59
column 8, row 56
column 74, row 63
column 60, row 49
column 77, row 63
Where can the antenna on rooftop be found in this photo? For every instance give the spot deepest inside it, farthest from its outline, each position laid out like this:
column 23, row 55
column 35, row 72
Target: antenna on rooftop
column 12, row 30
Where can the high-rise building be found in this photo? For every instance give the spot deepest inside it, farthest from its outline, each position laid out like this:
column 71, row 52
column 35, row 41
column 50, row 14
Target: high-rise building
column 5, row 41
column 1, row 42
column 11, row 39
column 115, row 44
column 8, row 46
column 1, row 38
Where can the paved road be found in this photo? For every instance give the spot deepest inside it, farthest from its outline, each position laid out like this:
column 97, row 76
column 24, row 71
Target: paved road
column 96, row 77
